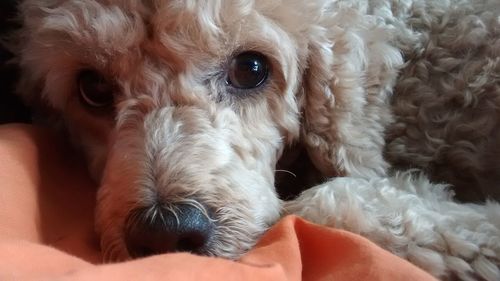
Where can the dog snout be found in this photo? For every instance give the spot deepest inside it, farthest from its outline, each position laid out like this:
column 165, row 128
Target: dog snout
column 176, row 228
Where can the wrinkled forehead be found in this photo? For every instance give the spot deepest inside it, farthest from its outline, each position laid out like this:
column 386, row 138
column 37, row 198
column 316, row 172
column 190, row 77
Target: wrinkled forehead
column 181, row 33
column 215, row 28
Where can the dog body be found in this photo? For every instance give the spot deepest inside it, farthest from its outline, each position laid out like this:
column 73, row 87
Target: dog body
column 183, row 109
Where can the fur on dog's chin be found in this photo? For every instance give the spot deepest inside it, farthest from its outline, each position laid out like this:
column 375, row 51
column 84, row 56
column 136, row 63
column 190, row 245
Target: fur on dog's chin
column 114, row 249
column 230, row 239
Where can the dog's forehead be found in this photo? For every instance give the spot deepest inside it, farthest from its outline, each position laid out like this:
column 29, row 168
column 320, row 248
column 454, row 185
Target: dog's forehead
column 117, row 35
column 200, row 30
column 217, row 28
column 127, row 31
column 201, row 27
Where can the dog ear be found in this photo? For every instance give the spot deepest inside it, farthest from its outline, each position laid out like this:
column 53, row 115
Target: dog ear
column 351, row 71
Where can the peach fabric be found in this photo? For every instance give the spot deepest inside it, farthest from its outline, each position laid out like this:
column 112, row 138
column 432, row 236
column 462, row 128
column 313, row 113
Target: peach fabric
column 46, row 231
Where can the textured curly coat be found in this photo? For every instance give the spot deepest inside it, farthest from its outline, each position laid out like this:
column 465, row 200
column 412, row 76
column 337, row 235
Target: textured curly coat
column 366, row 87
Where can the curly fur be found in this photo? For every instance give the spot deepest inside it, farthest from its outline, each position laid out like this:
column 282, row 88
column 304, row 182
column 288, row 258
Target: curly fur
column 412, row 218
column 367, row 87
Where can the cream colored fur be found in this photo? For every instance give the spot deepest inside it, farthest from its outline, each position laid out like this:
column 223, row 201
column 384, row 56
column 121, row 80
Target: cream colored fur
column 366, row 86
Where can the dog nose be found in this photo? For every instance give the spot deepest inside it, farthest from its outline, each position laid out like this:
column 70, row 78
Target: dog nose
column 158, row 230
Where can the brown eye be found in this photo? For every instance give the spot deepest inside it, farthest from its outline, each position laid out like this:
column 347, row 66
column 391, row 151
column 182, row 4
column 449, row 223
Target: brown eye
column 95, row 91
column 248, row 70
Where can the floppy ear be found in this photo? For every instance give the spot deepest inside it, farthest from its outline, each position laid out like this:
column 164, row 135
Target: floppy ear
column 351, row 71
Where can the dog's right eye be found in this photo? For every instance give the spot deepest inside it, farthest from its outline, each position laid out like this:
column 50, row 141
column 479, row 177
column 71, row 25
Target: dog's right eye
column 95, row 90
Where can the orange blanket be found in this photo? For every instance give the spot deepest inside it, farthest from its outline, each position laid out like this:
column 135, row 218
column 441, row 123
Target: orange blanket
column 46, row 222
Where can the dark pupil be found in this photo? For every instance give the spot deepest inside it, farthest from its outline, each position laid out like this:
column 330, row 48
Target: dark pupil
column 94, row 89
column 248, row 70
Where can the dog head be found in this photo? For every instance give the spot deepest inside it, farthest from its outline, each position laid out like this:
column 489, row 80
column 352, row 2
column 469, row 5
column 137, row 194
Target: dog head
column 183, row 108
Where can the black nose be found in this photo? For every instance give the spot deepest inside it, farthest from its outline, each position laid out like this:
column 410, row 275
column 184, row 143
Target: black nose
column 158, row 230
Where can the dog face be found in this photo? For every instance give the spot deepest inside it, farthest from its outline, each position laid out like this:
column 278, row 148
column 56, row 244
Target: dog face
column 183, row 108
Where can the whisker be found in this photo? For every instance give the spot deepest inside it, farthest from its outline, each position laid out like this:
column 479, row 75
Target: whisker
column 172, row 209
column 286, row 171
column 197, row 205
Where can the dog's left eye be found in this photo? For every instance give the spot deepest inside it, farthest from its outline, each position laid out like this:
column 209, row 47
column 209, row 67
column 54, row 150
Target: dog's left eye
column 95, row 91
column 248, row 70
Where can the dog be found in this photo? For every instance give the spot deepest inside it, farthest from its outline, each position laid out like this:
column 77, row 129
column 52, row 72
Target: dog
column 189, row 114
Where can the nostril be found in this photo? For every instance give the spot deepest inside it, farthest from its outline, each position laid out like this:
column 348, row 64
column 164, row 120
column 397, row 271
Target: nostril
column 157, row 230
column 191, row 242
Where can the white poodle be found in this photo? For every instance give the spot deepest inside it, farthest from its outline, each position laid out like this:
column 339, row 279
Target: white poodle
column 183, row 109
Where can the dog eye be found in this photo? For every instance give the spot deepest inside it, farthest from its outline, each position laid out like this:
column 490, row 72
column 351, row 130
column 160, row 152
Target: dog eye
column 248, row 70
column 95, row 91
